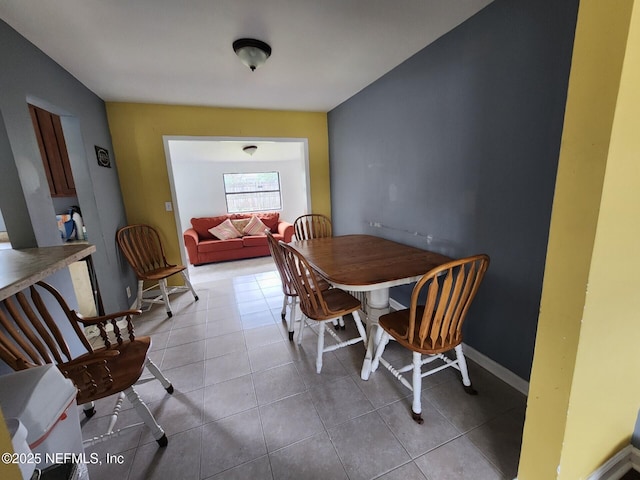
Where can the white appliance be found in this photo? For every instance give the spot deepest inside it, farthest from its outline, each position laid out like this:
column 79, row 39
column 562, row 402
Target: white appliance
column 44, row 401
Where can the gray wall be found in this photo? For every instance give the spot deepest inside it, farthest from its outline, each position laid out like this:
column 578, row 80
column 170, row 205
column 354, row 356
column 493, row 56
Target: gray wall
column 456, row 151
column 29, row 76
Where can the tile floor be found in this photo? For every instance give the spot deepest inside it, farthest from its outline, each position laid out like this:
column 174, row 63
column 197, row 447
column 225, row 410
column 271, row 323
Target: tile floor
column 248, row 403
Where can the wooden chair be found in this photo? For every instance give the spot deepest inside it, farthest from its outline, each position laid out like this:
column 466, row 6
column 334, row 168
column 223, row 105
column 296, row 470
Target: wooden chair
column 435, row 327
column 311, row 226
column 31, row 337
column 142, row 248
column 290, row 296
column 320, row 306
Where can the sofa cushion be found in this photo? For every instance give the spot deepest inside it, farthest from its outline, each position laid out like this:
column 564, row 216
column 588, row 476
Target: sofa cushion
column 255, row 241
column 259, row 240
column 202, row 225
column 225, row 231
column 207, row 246
column 255, row 227
column 270, row 219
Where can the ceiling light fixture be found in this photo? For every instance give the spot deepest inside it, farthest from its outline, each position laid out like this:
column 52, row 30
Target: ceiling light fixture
column 253, row 53
column 250, row 149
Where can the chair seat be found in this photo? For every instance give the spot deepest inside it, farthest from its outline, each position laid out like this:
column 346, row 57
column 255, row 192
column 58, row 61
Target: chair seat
column 323, row 285
column 125, row 369
column 339, row 303
column 397, row 323
column 164, row 272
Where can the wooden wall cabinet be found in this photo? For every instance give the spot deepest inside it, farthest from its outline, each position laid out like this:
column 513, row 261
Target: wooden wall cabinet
column 53, row 150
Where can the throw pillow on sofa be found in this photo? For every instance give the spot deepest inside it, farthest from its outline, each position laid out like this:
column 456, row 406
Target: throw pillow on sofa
column 270, row 219
column 255, row 227
column 225, row 231
column 202, row 225
column 240, row 223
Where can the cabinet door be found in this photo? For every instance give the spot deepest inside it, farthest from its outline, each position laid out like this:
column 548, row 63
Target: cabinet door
column 53, row 150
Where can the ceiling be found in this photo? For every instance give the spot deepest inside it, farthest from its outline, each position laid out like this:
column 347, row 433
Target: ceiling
column 211, row 149
column 179, row 52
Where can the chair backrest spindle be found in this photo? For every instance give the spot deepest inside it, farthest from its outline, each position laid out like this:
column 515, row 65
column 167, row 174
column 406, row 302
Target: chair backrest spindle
column 30, row 335
column 142, row 248
column 450, row 290
column 311, row 226
column 305, row 282
column 287, row 284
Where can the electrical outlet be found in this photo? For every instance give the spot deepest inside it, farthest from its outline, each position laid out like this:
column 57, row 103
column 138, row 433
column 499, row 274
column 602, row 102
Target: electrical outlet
column 168, row 207
column 128, row 292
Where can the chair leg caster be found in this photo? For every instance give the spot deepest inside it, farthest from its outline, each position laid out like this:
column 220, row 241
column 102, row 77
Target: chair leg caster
column 163, row 441
column 337, row 326
column 291, row 336
column 417, row 417
column 169, row 314
column 470, row 390
column 169, row 389
column 196, row 298
column 89, row 412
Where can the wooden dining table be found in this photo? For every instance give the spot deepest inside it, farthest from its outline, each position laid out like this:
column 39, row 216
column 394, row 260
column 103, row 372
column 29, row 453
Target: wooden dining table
column 371, row 265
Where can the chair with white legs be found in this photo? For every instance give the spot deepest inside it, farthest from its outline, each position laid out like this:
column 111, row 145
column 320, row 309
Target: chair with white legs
column 143, row 249
column 434, row 328
column 290, row 297
column 288, row 290
column 32, row 335
column 321, row 306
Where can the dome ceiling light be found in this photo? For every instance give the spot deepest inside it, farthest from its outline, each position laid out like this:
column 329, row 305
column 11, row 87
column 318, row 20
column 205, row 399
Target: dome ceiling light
column 250, row 149
column 253, row 53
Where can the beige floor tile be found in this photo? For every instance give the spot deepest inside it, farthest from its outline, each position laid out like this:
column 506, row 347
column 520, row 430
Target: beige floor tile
column 248, row 403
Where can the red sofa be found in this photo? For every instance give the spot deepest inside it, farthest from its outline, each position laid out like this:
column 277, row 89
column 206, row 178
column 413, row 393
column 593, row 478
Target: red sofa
column 203, row 247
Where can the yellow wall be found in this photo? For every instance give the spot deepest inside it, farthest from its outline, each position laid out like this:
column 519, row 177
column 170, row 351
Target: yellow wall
column 137, row 131
column 584, row 395
column 7, row 471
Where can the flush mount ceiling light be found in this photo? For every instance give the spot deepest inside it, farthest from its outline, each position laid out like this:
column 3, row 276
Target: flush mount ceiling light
column 253, row 53
column 250, row 149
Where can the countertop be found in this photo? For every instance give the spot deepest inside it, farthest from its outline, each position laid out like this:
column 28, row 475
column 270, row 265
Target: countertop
column 22, row 268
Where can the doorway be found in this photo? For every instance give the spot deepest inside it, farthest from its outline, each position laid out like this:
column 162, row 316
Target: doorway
column 196, row 167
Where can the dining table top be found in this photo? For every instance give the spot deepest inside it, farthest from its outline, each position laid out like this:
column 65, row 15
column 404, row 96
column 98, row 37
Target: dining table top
column 363, row 262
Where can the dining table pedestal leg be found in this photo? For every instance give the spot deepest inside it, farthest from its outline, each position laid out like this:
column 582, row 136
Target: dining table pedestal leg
column 377, row 305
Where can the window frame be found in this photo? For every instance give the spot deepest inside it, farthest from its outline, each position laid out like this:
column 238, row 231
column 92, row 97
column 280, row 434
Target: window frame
column 228, row 194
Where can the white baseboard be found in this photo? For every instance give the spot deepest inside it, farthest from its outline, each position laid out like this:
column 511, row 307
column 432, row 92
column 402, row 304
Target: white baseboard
column 504, row 374
column 485, row 362
column 613, row 469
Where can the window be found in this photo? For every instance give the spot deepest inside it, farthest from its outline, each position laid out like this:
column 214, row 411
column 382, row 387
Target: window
column 252, row 192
